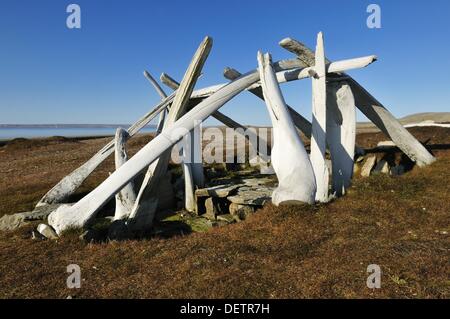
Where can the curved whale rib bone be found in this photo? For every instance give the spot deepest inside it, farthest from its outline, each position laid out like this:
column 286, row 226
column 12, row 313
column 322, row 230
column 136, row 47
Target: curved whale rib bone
column 84, row 211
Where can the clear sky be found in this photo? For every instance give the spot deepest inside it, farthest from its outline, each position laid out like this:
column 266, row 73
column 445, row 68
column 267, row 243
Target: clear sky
column 52, row 74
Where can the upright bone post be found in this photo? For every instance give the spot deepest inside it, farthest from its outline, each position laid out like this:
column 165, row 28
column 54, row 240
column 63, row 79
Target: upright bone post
column 296, row 182
column 188, row 171
column 127, row 196
column 341, row 133
column 318, row 136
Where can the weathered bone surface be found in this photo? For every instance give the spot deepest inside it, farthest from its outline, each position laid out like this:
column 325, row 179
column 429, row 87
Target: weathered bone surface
column 192, row 154
column 126, row 198
column 188, row 171
column 371, row 108
column 341, row 133
column 83, row 212
column 319, row 126
column 159, row 168
column 289, row 158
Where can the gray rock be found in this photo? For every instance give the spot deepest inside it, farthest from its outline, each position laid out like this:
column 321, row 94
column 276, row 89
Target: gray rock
column 211, row 209
column 252, row 195
column 368, row 165
column 11, row 222
column 14, row 221
column 241, row 211
column 47, row 231
column 216, row 191
column 382, row 167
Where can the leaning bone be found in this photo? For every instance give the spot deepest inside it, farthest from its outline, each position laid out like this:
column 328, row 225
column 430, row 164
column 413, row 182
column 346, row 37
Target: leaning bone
column 289, row 158
column 126, row 198
column 70, row 183
column 341, row 133
column 158, row 169
column 163, row 95
column 318, row 135
column 371, row 108
column 190, row 173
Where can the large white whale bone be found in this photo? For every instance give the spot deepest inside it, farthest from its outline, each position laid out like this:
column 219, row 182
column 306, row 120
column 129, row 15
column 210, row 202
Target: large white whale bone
column 296, row 182
column 341, row 133
column 84, row 211
column 372, row 108
column 70, row 183
column 142, row 214
column 318, row 135
column 127, row 196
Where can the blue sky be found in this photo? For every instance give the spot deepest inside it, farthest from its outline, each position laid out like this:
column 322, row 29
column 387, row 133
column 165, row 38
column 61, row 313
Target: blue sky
column 52, row 74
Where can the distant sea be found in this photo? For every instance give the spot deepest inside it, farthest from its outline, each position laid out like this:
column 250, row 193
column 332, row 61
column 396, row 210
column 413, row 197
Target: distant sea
column 8, row 132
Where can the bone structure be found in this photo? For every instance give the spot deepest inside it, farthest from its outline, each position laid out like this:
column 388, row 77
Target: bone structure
column 302, row 177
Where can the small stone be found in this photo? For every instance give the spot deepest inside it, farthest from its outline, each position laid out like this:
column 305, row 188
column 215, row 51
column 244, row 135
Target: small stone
column 211, row 209
column 382, row 167
column 227, row 218
column 241, row 211
column 216, row 191
column 257, row 196
column 11, row 222
column 368, row 165
column 47, row 231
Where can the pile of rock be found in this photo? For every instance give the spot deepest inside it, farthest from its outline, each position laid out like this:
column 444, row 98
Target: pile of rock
column 384, row 159
column 233, row 200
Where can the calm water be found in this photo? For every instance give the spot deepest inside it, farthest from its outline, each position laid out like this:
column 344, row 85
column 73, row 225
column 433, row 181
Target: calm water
column 10, row 133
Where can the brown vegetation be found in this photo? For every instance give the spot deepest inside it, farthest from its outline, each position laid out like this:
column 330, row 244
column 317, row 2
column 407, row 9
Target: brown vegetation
column 400, row 223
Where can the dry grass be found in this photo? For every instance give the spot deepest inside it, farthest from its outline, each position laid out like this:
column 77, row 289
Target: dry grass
column 401, row 224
